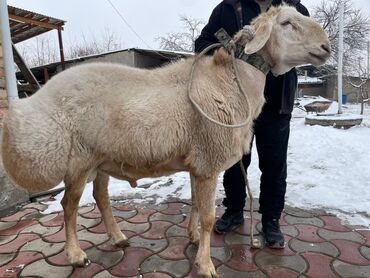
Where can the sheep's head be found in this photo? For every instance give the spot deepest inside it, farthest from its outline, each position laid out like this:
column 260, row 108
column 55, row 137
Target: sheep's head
column 286, row 38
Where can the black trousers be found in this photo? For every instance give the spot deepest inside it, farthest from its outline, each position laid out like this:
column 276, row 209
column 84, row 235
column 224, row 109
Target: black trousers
column 271, row 132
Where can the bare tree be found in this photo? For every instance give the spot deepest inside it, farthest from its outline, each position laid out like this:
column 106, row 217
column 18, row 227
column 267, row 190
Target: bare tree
column 44, row 50
column 185, row 39
column 358, row 83
column 40, row 51
column 356, row 30
column 109, row 41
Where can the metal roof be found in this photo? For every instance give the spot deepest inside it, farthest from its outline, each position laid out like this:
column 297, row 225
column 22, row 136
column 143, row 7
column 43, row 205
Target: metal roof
column 26, row 24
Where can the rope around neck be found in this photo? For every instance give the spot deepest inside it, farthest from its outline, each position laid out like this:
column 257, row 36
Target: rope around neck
column 237, row 77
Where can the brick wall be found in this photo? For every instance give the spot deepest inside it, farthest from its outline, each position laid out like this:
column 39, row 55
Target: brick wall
column 10, row 196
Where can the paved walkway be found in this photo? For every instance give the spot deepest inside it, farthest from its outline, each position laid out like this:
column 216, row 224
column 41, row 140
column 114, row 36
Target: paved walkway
column 31, row 245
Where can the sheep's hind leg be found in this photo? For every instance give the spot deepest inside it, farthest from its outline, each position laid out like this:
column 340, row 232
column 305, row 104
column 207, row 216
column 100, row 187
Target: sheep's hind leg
column 194, row 215
column 102, row 200
column 73, row 191
column 205, row 195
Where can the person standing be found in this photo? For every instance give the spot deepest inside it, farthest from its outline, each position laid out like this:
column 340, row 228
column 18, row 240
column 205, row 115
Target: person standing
column 271, row 129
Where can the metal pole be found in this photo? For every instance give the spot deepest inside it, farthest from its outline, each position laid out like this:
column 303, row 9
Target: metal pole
column 340, row 57
column 10, row 80
column 368, row 60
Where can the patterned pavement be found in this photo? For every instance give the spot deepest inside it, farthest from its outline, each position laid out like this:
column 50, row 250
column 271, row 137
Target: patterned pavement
column 318, row 245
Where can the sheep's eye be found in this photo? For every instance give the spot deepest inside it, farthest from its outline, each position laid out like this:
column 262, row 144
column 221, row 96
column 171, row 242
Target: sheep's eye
column 285, row 23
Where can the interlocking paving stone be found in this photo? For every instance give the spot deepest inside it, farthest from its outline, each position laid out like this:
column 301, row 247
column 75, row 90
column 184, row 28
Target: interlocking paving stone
column 222, row 254
column 157, row 230
column 174, row 208
column 7, row 225
column 233, row 238
column 127, row 207
column 186, row 209
column 242, row 258
column 15, row 244
column 6, row 239
column 95, row 213
column 104, row 274
column 308, row 233
column 89, row 271
column 245, row 228
column 130, row 265
column 16, row 265
column 173, row 218
column 185, row 223
column 55, row 221
column 155, row 245
column 85, row 209
column 334, row 224
column 227, row 272
column 298, row 212
column 365, row 251
column 33, row 215
column 47, row 217
column 95, row 239
column 330, row 235
column 349, row 252
column 293, row 220
column 156, row 275
column 88, row 222
column 142, row 216
column 265, row 259
column 36, row 205
column 46, row 248
column 5, row 258
column 15, row 229
column 319, row 265
column 98, row 229
column 136, row 228
column 124, row 214
column 178, row 268
column 217, row 240
column 366, row 235
column 175, row 249
column 289, row 230
column 60, row 259
column 279, row 272
column 324, row 247
column 349, row 270
column 176, row 231
column 104, row 258
column 17, row 216
column 41, row 230
column 42, row 269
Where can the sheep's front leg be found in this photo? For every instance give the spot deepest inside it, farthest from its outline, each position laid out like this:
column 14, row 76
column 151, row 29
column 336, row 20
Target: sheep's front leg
column 194, row 215
column 73, row 191
column 102, row 200
column 205, row 195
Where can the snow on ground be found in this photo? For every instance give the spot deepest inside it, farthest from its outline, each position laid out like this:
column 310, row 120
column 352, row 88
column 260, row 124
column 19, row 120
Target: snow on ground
column 328, row 169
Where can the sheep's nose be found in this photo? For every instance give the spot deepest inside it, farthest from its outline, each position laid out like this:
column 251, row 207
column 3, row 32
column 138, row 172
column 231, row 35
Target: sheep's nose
column 326, row 47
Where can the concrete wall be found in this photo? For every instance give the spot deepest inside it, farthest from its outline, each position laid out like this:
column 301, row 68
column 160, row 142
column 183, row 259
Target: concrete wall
column 10, row 196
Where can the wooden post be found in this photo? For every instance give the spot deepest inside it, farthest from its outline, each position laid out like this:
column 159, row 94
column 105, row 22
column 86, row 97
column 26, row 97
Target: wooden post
column 61, row 50
column 46, row 74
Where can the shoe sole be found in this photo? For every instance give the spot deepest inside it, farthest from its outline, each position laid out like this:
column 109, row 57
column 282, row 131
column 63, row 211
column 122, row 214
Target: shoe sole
column 232, row 227
column 276, row 245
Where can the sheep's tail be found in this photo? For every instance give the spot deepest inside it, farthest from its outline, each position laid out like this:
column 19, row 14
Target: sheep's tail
column 35, row 149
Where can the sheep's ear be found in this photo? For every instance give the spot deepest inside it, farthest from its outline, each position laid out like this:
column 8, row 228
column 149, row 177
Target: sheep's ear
column 260, row 38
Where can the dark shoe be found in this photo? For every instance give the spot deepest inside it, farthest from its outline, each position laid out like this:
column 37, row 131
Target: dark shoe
column 229, row 220
column 274, row 238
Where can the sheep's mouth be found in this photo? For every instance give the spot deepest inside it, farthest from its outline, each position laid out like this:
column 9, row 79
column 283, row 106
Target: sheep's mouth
column 321, row 59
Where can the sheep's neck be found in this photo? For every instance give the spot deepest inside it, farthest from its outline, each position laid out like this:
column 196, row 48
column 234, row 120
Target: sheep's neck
column 267, row 57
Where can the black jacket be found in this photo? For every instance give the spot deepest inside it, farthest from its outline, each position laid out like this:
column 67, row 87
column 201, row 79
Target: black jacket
column 279, row 91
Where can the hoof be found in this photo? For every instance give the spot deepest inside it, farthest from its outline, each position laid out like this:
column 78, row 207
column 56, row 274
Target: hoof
column 77, row 258
column 206, row 272
column 122, row 243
